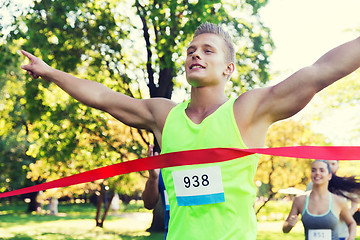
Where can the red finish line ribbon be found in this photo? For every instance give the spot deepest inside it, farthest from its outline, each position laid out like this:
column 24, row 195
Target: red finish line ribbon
column 192, row 157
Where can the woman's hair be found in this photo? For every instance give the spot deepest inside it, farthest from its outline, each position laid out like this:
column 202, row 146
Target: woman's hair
column 348, row 187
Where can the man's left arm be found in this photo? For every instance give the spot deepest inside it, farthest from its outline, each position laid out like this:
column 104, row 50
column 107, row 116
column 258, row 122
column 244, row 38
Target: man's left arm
column 293, row 94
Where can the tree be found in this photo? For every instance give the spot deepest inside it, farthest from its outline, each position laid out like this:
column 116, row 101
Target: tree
column 169, row 25
column 279, row 172
column 132, row 47
column 14, row 130
column 335, row 106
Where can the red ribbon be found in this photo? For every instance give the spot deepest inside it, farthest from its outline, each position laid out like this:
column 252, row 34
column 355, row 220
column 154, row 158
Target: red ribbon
column 192, row 157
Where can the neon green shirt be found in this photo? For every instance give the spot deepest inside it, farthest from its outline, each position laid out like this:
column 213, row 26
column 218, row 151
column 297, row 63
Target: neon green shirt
column 209, row 201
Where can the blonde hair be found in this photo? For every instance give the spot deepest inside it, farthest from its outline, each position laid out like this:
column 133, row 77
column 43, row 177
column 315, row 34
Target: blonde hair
column 217, row 30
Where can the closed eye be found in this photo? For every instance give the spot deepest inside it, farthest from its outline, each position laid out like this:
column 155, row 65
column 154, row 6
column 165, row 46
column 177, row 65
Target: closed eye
column 191, row 50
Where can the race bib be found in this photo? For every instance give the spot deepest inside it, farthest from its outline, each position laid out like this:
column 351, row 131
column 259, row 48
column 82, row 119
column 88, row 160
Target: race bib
column 319, row 234
column 199, row 186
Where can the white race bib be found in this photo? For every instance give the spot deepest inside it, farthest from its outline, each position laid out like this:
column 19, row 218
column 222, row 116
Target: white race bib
column 319, row 234
column 199, row 186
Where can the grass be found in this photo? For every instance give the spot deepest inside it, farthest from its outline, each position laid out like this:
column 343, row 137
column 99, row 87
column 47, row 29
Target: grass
column 76, row 221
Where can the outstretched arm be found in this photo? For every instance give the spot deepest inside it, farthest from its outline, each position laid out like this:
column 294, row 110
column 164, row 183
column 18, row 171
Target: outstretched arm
column 257, row 109
column 291, row 95
column 147, row 113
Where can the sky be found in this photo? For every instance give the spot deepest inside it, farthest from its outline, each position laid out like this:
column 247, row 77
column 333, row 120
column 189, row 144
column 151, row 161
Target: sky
column 302, row 31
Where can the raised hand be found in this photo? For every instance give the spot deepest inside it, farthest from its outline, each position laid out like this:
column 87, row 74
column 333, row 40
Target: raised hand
column 153, row 173
column 37, row 67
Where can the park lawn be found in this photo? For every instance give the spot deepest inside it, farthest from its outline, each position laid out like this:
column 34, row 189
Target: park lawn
column 76, row 221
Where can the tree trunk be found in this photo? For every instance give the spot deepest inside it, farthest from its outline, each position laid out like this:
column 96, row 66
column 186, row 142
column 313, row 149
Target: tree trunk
column 33, row 204
column 102, row 199
column 272, row 194
column 98, row 207
column 106, row 209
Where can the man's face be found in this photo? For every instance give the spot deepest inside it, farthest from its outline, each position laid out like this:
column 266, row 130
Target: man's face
column 205, row 63
column 334, row 165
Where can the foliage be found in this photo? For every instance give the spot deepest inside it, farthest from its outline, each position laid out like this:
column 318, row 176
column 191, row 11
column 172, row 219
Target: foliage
column 168, row 27
column 275, row 210
column 61, row 132
column 342, row 93
column 126, row 46
column 338, row 104
column 14, row 131
column 279, row 172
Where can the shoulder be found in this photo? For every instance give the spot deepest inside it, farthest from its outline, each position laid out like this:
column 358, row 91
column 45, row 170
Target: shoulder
column 255, row 101
column 252, row 97
column 301, row 198
column 299, row 202
column 298, row 205
column 160, row 106
column 339, row 200
column 251, row 116
column 160, row 102
column 159, row 109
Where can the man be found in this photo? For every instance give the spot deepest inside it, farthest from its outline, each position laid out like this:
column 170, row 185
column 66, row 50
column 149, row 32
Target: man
column 211, row 201
column 153, row 188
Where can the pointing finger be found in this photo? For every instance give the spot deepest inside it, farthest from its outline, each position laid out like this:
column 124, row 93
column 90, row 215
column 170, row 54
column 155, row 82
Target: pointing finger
column 27, row 54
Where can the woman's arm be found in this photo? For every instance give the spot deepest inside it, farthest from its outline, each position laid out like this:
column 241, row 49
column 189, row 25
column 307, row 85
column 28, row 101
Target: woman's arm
column 292, row 219
column 347, row 217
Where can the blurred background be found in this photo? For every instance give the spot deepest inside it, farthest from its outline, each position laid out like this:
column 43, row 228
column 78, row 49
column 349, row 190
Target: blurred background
column 138, row 48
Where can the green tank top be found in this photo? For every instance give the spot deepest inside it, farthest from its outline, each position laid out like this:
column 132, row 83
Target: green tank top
column 209, row 201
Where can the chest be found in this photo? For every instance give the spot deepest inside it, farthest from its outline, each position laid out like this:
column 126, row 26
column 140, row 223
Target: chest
column 318, row 207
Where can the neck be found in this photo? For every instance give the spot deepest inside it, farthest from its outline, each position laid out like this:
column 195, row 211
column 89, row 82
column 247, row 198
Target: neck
column 203, row 103
column 206, row 98
column 320, row 190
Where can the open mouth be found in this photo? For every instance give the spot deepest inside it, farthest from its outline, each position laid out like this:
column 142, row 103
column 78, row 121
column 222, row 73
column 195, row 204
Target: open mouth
column 196, row 66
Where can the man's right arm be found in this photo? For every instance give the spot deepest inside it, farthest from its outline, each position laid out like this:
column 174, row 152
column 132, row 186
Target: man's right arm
column 150, row 195
column 141, row 113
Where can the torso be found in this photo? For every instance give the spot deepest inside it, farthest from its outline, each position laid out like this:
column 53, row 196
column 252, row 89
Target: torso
column 234, row 200
column 319, row 218
column 318, row 207
column 253, row 129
